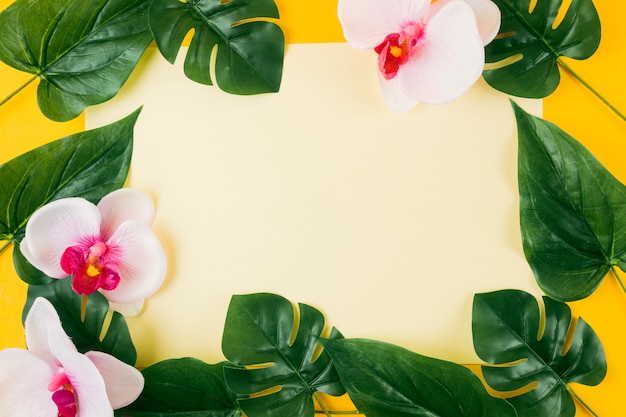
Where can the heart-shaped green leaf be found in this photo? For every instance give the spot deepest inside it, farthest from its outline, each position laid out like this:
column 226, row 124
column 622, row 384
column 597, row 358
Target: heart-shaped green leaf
column 183, row 387
column 86, row 333
column 528, row 44
column 89, row 164
column 385, row 380
column 250, row 49
column 281, row 353
column 508, row 332
column 572, row 211
column 83, row 51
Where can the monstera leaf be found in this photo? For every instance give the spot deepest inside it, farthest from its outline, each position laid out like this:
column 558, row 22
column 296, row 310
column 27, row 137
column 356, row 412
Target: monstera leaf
column 183, row 387
column 572, row 211
column 283, row 365
column 83, row 51
column 385, row 380
column 250, row 49
column 506, row 329
column 86, row 331
column 529, row 45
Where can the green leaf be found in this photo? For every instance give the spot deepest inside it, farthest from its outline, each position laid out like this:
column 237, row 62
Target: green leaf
column 89, row 164
column 28, row 273
column 87, row 333
column 250, row 49
column 184, row 388
column 572, row 211
column 508, row 331
column 532, row 46
column 262, row 331
column 386, row 380
column 83, row 51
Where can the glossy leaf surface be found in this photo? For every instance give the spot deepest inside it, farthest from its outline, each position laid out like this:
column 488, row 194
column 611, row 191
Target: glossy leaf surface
column 89, row 164
column 529, row 44
column 386, row 380
column 183, row 387
column 250, row 49
column 572, row 211
column 82, row 51
column 263, row 331
column 87, row 334
column 507, row 331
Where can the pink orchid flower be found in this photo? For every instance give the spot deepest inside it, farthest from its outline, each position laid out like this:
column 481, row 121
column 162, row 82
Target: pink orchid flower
column 108, row 248
column 52, row 379
column 427, row 52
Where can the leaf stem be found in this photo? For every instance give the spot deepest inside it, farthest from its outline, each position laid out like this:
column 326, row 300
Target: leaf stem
column 621, row 283
column 6, row 245
column 328, row 412
column 20, row 88
column 590, row 88
column 581, row 401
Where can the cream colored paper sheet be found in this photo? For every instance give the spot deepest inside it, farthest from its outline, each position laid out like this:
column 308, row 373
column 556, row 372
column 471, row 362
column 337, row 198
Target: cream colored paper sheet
column 387, row 223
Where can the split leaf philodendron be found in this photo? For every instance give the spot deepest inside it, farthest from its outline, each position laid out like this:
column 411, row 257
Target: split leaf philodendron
column 543, row 359
column 528, row 45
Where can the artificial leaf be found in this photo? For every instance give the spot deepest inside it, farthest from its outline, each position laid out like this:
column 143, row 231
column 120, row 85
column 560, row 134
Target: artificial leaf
column 281, row 355
column 386, row 380
column 531, row 39
column 89, row 164
column 184, row 388
column 572, row 211
column 250, row 49
column 539, row 355
column 86, row 333
column 82, row 51
column 28, row 273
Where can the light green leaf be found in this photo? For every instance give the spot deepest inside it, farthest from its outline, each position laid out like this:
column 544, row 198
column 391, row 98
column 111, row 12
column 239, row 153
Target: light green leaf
column 86, row 333
column 82, row 51
column 507, row 332
column 250, row 49
column 262, row 331
column 528, row 44
column 89, row 164
column 385, row 380
column 572, row 211
column 184, row 387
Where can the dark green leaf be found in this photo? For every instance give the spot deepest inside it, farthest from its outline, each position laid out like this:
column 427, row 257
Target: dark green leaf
column 507, row 331
column 250, row 49
column 87, row 334
column 83, row 51
column 28, row 273
column 184, row 388
column 572, row 211
column 527, row 38
column 385, row 380
column 262, row 330
column 89, row 164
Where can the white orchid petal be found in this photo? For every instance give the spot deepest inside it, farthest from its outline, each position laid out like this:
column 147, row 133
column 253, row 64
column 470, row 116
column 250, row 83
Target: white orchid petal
column 447, row 60
column 141, row 263
column 123, row 382
column 24, row 379
column 129, row 309
column 123, row 205
column 366, row 23
column 55, row 227
column 85, row 379
column 396, row 100
column 487, row 18
column 42, row 323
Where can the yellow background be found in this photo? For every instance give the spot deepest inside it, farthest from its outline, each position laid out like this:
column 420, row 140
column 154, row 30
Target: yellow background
column 571, row 107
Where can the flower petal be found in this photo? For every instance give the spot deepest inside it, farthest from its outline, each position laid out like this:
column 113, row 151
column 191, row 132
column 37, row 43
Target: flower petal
column 396, row 100
column 487, row 16
column 42, row 323
column 85, row 379
column 54, row 228
column 122, row 205
column 141, row 263
column 123, row 382
column 129, row 309
column 24, row 379
column 447, row 60
column 366, row 23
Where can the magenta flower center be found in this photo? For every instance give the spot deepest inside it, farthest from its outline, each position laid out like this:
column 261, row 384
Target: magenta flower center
column 90, row 269
column 396, row 49
column 63, row 395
